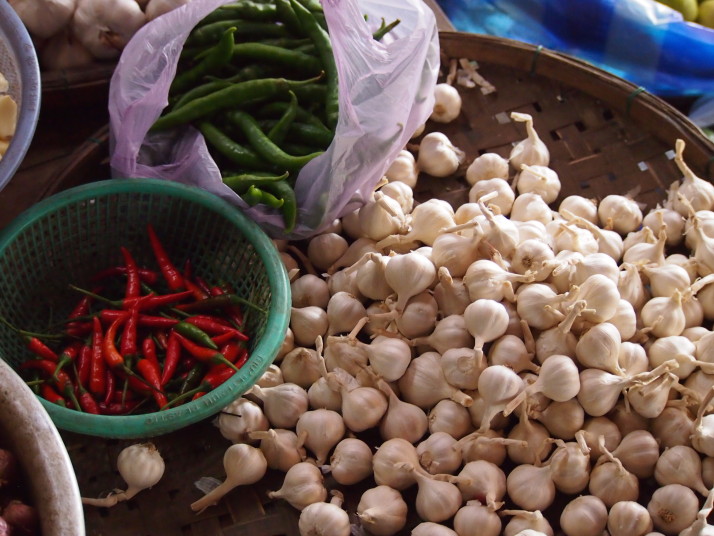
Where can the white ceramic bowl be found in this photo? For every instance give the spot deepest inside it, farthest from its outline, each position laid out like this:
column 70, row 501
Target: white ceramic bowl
column 28, row 431
column 18, row 62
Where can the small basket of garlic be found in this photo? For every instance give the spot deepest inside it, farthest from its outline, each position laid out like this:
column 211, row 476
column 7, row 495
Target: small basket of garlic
column 19, row 92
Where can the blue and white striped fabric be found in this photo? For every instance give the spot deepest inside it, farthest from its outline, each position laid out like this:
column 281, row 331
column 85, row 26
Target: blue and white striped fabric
column 641, row 41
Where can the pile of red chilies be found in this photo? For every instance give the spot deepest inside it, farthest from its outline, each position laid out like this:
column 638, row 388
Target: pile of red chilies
column 145, row 351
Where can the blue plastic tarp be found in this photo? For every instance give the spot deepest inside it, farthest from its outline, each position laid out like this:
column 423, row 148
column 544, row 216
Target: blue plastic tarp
column 641, row 41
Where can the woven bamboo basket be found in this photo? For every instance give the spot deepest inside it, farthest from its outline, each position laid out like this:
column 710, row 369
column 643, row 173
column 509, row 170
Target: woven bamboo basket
column 76, row 87
column 605, row 136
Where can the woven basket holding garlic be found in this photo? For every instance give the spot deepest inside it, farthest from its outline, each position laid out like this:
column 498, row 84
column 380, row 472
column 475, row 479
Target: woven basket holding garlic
column 512, row 359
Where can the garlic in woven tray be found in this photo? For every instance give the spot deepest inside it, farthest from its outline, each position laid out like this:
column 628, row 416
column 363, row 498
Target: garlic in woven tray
column 530, row 151
column 438, row 156
column 315, row 517
column 698, row 194
column 403, row 169
column 447, row 103
column 487, row 166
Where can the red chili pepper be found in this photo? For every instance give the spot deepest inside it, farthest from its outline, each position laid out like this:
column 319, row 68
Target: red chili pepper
column 197, row 292
column 133, row 284
column 48, row 393
column 40, row 349
column 68, row 355
column 118, row 408
column 119, row 394
column 171, row 360
column 97, row 374
column 111, row 355
column 145, row 321
column 148, row 350
column 152, row 301
column 48, row 367
column 151, row 374
column 168, row 270
column 222, row 339
column 110, row 382
column 162, row 339
column 84, row 365
column 87, row 402
column 81, row 309
column 212, row 379
column 232, row 311
column 202, row 285
column 128, row 344
column 147, row 276
column 202, row 353
column 215, row 325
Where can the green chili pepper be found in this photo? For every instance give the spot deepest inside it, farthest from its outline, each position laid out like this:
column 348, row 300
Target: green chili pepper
column 240, row 183
column 384, row 29
column 252, row 196
column 216, row 57
column 277, row 55
column 269, row 199
column 298, row 149
column 229, row 97
column 235, row 152
column 266, row 148
column 193, row 377
column 287, row 16
column 303, row 133
column 282, row 190
column 324, row 49
column 278, row 131
column 211, row 33
column 278, row 108
column 196, row 334
column 254, row 11
column 200, row 91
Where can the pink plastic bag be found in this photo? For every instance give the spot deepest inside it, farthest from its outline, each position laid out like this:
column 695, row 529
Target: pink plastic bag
column 385, row 94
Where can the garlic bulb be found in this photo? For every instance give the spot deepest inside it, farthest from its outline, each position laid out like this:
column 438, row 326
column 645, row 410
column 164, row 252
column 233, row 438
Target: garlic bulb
column 619, row 213
column 280, row 448
column 450, row 417
column 301, row 366
column 44, row 18
column 428, row 528
column 303, row 485
column 321, row 518
column 497, row 193
column 439, row 453
column 639, row 453
column 667, row 220
column 674, row 426
column 382, row 511
column 438, row 156
column 530, row 487
column 436, row 500
column 530, row 151
column 104, row 27
column 530, row 206
column 487, row 166
column 409, row 275
column 610, row 481
column 403, row 169
column 324, row 249
column 698, row 193
column 394, row 463
column 239, row 418
column 579, row 206
column 447, row 103
column 244, row 465
column 401, row 419
column 475, row 519
column 680, row 464
column 673, row 508
column 540, row 180
column 585, row 515
column 424, row 384
column 141, row 466
column 282, row 404
column 381, row 217
column 308, row 323
column 319, row 430
column 524, row 520
column 629, row 518
column 484, row 481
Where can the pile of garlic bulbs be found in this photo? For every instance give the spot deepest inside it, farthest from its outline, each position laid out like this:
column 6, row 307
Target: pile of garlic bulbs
column 512, row 359
column 75, row 33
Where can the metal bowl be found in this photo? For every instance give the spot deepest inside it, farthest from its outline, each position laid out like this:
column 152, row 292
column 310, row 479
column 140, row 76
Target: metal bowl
column 18, row 62
column 28, row 431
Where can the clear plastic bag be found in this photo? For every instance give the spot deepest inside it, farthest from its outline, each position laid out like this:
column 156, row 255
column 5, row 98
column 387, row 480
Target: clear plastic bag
column 385, row 94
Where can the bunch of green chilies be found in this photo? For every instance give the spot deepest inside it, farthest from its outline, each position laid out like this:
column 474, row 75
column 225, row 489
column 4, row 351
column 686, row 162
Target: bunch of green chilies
column 146, row 350
column 259, row 80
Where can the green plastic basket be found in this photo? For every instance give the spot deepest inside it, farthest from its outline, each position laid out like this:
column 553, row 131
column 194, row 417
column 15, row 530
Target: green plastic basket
column 70, row 236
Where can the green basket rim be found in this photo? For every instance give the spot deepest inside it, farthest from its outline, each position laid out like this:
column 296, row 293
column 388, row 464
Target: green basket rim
column 158, row 423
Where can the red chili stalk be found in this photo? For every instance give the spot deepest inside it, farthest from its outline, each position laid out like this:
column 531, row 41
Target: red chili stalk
column 145, row 275
column 84, row 365
column 133, row 283
column 97, row 374
column 48, row 393
column 40, row 349
column 202, row 353
column 68, row 355
column 110, row 382
column 148, row 349
column 151, row 374
column 86, row 401
column 144, row 321
column 168, row 270
column 171, row 360
column 128, row 344
column 213, row 325
column 111, row 355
